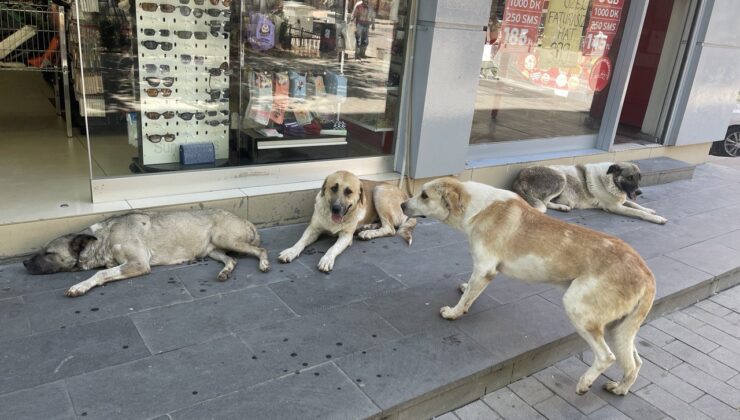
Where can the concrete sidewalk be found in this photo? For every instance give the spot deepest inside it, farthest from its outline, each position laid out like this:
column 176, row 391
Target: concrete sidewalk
column 691, row 360
column 365, row 341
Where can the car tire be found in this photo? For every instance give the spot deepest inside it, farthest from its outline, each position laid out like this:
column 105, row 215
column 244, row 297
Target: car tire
column 730, row 146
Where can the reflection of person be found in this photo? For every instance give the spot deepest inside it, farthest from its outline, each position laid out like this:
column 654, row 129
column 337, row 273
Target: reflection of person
column 363, row 17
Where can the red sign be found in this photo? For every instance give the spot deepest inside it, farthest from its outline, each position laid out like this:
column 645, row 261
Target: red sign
column 602, row 26
column 600, row 74
column 521, row 20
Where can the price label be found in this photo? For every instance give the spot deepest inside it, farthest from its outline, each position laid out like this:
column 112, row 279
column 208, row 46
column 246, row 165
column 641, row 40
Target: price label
column 602, row 26
column 520, row 23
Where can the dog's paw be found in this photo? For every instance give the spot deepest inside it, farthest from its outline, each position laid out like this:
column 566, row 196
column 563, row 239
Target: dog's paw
column 365, row 235
column 582, row 387
column 326, row 264
column 660, row 220
column 651, row 211
column 449, row 313
column 288, row 255
column 463, row 287
column 614, row 388
column 264, row 266
column 76, row 290
column 223, row 275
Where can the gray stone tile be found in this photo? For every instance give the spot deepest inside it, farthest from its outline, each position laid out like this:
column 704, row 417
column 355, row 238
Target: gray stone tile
column 711, row 307
column 297, row 343
column 417, row 309
column 322, row 392
column 574, row 367
column 15, row 280
column 505, row 289
column 280, row 237
column 716, row 321
column 477, row 410
column 565, row 387
column 417, row 268
column 655, row 354
column 716, row 409
column 530, row 390
column 509, row 406
column 515, row 328
column 728, row 357
column 649, row 244
column 708, row 384
column 730, row 240
column 184, row 324
column 321, row 291
column 554, row 295
column 729, row 298
column 447, row 416
column 52, row 309
column 555, row 408
column 669, row 404
column 687, row 321
column 49, row 402
column 662, row 164
column 672, row 276
column 654, row 335
column 434, row 235
column 40, row 358
column 608, row 412
column 710, row 224
column 689, row 337
column 735, row 381
column 669, row 382
column 700, row 360
column 13, row 319
column 612, row 224
column 166, row 382
column 719, row 337
column 200, row 280
column 407, row 368
column 377, row 250
column 711, row 258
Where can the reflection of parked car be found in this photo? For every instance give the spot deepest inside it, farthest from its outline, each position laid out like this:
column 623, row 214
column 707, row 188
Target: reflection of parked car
column 730, row 146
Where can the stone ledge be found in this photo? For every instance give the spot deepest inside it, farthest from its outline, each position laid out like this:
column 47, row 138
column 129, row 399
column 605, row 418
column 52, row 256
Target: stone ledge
column 662, row 170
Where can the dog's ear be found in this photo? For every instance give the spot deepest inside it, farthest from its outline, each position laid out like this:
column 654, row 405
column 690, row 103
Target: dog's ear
column 80, row 242
column 452, row 198
column 323, row 187
column 614, row 169
column 362, row 195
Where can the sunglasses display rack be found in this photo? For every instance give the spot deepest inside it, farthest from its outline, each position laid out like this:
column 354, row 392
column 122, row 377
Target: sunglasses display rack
column 183, row 77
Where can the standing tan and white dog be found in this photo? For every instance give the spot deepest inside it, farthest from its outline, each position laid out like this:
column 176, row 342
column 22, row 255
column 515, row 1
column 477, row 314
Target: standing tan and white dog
column 346, row 205
column 610, row 288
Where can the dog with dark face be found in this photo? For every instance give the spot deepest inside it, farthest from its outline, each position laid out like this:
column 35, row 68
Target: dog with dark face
column 346, row 205
column 130, row 245
column 612, row 187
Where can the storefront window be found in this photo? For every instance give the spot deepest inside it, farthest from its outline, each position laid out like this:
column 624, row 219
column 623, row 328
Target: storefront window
column 190, row 84
column 546, row 67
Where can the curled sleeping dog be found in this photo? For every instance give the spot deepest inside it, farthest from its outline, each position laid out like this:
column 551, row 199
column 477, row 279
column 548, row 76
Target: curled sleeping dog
column 609, row 186
column 346, row 205
column 129, row 245
column 610, row 288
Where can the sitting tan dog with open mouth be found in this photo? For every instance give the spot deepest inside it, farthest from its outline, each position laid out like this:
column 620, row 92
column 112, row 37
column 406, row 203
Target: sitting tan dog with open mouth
column 610, row 288
column 346, row 205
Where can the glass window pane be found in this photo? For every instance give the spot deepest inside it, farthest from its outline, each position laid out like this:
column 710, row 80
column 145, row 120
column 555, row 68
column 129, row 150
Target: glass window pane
column 545, row 69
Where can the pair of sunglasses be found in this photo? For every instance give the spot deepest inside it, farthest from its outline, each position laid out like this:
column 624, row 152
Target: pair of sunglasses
column 152, row 32
column 218, row 12
column 217, row 34
column 151, row 68
column 197, row 2
column 218, row 24
column 187, row 58
column 186, row 10
column 152, row 45
column 226, row 3
column 214, row 113
column 214, row 123
column 216, row 93
column 190, row 34
column 156, row 138
column 187, row 116
column 152, row 92
column 168, row 115
column 152, row 7
column 155, row 81
column 223, row 68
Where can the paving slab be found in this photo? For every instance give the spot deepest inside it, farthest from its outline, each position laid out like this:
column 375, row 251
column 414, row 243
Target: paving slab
column 13, row 319
column 708, row 383
column 166, row 382
column 322, row 392
column 673, row 276
column 700, row 360
column 556, row 408
column 183, row 324
column 670, row 404
column 510, row 406
column 564, row 386
column 476, row 411
column 295, row 344
column 418, row 267
column 49, row 356
column 48, row 401
column 15, row 280
column 716, row 409
column 712, row 258
column 408, row 368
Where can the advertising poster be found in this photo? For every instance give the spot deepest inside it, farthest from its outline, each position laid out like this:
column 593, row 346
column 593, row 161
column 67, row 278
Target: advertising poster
column 520, row 23
column 561, row 38
column 602, row 27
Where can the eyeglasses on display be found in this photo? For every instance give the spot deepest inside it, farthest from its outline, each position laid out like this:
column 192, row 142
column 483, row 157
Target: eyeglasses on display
column 152, row 45
column 156, row 138
column 214, row 123
column 153, row 92
column 185, row 11
column 152, row 32
column 151, row 68
column 187, row 58
column 168, row 115
column 218, row 12
column 190, row 34
column 223, row 68
column 226, row 3
column 187, row 116
column 152, row 7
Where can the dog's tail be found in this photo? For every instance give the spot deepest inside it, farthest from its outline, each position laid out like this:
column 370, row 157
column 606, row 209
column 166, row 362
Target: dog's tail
column 406, row 229
column 625, row 328
column 535, row 202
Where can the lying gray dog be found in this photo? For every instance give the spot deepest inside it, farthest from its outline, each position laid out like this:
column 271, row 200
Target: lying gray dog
column 607, row 186
column 129, row 245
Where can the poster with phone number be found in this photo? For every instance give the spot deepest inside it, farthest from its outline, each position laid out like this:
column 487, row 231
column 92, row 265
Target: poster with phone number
column 520, row 23
column 602, row 27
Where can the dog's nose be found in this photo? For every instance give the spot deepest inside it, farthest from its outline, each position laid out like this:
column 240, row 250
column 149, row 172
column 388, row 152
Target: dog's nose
column 638, row 192
column 403, row 206
column 26, row 263
column 336, row 208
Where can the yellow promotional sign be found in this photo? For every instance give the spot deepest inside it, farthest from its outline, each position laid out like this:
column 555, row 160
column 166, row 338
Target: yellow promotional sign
column 561, row 38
